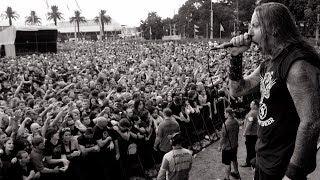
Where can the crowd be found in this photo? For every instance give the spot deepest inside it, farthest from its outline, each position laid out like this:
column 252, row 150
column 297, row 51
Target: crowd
column 100, row 110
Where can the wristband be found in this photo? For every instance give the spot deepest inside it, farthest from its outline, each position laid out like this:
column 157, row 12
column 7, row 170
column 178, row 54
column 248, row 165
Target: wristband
column 235, row 70
column 295, row 173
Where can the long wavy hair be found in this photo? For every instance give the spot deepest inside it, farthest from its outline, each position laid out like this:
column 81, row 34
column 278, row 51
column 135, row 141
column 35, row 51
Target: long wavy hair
column 278, row 27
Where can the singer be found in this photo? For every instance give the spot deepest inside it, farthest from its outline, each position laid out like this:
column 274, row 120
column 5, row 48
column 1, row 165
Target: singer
column 289, row 82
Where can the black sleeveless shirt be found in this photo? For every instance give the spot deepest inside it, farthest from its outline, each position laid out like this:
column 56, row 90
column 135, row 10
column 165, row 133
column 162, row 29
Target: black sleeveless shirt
column 278, row 119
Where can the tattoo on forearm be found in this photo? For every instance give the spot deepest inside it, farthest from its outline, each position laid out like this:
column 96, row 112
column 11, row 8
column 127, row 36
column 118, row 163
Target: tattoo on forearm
column 304, row 86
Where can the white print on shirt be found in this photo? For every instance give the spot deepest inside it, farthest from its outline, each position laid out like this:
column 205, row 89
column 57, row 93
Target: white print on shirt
column 263, row 111
column 266, row 83
column 178, row 160
column 266, row 122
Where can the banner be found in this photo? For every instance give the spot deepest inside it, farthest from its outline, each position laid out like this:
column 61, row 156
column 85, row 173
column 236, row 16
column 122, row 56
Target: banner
column 195, row 27
column 221, row 27
column 195, row 30
column 170, row 38
column 150, row 32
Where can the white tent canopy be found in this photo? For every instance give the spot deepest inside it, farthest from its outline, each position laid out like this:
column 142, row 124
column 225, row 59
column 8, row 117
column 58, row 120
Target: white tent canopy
column 7, row 38
column 8, row 35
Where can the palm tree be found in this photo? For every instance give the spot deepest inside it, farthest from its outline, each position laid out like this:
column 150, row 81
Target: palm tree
column 78, row 19
column 54, row 14
column 33, row 19
column 104, row 19
column 10, row 14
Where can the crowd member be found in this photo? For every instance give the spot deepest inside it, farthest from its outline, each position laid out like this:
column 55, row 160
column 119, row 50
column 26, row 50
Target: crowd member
column 229, row 144
column 176, row 164
column 166, row 128
column 106, row 143
column 37, row 157
column 54, row 156
column 24, row 168
column 122, row 142
column 70, row 148
column 89, row 151
column 250, row 132
column 8, row 159
column 288, row 80
column 156, row 118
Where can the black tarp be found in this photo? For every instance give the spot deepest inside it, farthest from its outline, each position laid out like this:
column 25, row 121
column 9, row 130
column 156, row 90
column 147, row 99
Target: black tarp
column 2, row 51
column 41, row 41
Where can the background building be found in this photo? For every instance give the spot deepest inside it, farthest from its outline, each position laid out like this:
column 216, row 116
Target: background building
column 89, row 30
column 3, row 28
column 129, row 32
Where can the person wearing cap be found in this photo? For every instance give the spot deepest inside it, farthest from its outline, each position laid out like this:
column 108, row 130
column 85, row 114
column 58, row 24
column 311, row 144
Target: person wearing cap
column 176, row 164
column 229, row 144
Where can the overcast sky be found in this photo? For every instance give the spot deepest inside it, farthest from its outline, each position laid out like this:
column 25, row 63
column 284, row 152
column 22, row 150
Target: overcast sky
column 125, row 12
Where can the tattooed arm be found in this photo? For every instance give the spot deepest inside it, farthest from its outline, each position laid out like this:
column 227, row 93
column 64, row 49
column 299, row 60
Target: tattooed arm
column 245, row 85
column 303, row 82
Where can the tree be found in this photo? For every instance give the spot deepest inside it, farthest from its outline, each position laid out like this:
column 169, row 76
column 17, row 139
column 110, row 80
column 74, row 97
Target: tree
column 10, row 15
column 242, row 11
column 78, row 19
column 188, row 16
column 167, row 26
column 310, row 13
column 104, row 19
column 230, row 13
column 197, row 12
column 152, row 27
column 304, row 12
column 33, row 19
column 54, row 14
column 246, row 8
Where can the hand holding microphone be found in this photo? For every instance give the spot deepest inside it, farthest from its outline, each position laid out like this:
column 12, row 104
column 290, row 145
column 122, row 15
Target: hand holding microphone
column 239, row 44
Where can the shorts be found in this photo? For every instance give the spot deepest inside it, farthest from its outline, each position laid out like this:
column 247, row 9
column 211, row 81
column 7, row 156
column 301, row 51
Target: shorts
column 229, row 155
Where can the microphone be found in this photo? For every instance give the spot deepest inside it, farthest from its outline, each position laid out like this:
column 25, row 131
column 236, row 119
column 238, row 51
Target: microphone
column 226, row 45
column 222, row 46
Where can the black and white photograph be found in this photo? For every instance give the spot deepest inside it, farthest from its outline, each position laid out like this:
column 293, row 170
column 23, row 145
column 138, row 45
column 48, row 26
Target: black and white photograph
column 159, row 90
